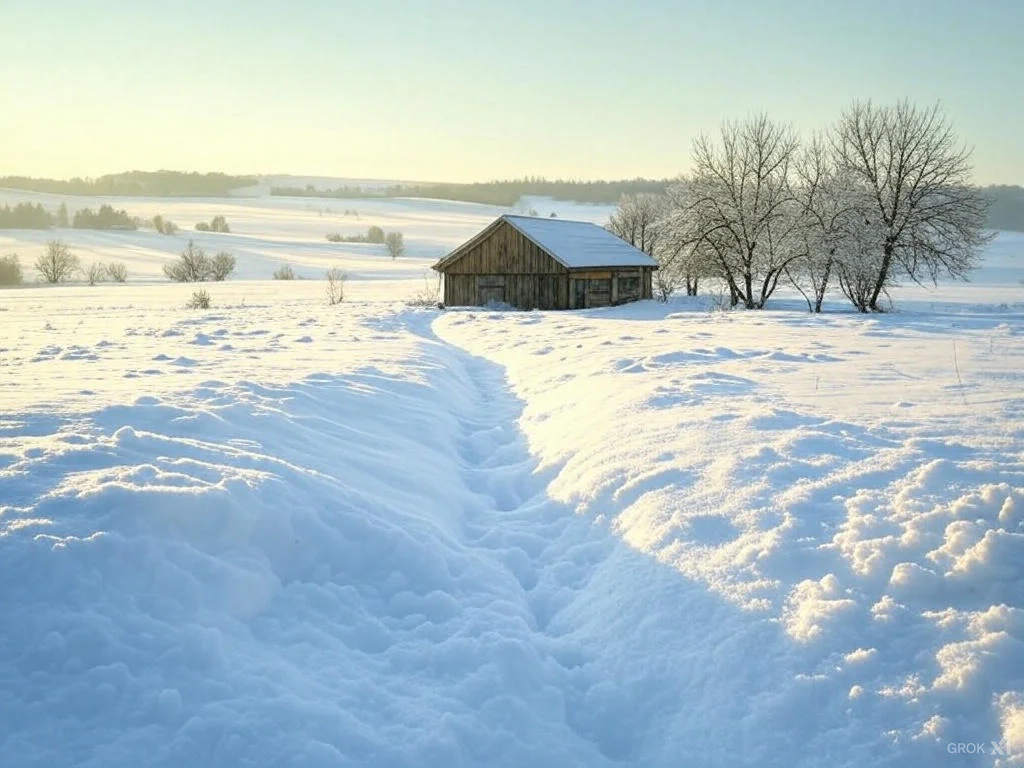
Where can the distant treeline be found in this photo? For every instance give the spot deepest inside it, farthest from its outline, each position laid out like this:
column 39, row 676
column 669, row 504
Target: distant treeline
column 136, row 184
column 504, row 193
column 29, row 216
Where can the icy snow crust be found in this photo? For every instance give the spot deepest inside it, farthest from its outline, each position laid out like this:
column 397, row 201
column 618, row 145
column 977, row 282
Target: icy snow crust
column 279, row 533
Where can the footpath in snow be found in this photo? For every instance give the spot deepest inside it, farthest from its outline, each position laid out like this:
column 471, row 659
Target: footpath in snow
column 611, row 538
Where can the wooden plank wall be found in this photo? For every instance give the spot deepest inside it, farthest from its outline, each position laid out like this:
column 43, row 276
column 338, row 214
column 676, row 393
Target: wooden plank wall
column 505, row 252
column 522, row 291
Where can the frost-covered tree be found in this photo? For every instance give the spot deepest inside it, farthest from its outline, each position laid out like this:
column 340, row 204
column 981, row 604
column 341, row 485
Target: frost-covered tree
column 221, row 265
column 918, row 201
column 96, row 273
column 831, row 229
column 57, row 263
column 395, row 243
column 637, row 220
column 117, row 271
column 192, row 267
column 737, row 209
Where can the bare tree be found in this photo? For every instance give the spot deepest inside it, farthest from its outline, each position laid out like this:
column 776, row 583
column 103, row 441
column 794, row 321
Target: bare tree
column 284, row 272
column 221, row 265
column 56, row 264
column 335, row 285
column 919, row 201
column 395, row 243
column 117, row 271
column 738, row 207
column 96, row 273
column 192, row 267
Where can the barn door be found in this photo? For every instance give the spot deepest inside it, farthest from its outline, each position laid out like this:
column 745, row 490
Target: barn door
column 580, row 291
column 490, row 294
column 599, row 293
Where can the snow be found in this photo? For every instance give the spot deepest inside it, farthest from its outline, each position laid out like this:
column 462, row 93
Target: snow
column 577, row 244
column 281, row 533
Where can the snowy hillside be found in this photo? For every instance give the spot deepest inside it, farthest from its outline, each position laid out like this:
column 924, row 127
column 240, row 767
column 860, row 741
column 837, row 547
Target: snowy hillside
column 281, row 533
column 268, row 232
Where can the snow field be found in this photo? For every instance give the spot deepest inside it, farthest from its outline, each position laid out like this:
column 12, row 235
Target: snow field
column 830, row 475
column 268, row 232
column 281, row 533
column 356, row 566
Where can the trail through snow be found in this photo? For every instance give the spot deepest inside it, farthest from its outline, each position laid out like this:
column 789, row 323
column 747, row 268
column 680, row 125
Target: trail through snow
column 288, row 534
column 355, row 568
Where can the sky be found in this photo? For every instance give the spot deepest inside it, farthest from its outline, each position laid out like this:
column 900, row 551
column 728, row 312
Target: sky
column 453, row 90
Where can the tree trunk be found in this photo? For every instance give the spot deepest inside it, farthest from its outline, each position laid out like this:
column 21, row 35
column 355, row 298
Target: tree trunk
column 883, row 276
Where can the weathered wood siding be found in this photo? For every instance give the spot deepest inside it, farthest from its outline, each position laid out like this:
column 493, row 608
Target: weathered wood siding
column 506, row 251
column 507, row 267
column 522, row 291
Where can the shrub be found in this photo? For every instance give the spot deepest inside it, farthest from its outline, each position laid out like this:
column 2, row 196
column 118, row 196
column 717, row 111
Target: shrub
column 56, row 264
column 10, row 270
column 335, row 285
column 192, row 267
column 395, row 242
column 428, row 296
column 200, row 300
column 284, row 272
column 164, row 226
column 117, row 271
column 217, row 224
column 373, row 235
column 221, row 265
column 96, row 273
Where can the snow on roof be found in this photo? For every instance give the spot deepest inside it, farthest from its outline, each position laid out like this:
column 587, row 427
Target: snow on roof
column 579, row 243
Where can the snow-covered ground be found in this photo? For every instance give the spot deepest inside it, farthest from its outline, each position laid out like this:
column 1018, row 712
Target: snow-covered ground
column 268, row 232
column 281, row 533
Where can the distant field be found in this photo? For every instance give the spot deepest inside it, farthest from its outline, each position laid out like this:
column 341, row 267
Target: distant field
column 267, row 232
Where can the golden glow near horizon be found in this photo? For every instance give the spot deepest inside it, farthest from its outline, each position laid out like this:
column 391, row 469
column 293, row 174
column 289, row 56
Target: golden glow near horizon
column 473, row 91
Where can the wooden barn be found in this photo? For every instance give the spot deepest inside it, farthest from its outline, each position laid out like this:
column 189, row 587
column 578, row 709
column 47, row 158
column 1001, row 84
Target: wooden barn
column 535, row 263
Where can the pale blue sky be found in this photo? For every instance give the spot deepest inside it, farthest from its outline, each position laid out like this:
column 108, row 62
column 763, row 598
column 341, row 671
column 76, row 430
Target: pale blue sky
column 451, row 90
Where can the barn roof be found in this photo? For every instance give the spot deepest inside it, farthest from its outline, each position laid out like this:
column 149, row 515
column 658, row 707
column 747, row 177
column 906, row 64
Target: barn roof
column 574, row 244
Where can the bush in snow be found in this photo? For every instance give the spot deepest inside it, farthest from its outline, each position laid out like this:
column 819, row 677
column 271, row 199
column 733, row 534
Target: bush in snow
column 373, row 235
column 56, row 264
column 10, row 270
column 335, row 285
column 200, row 300
column 164, row 226
column 192, row 267
column 221, row 265
column 395, row 242
column 217, row 224
column 284, row 272
column 96, row 273
column 428, row 296
column 117, row 271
